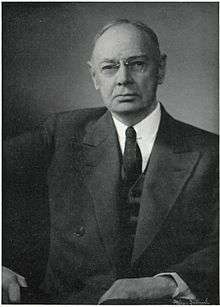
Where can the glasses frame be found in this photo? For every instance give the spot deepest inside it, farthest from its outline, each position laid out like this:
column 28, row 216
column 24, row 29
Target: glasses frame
column 126, row 62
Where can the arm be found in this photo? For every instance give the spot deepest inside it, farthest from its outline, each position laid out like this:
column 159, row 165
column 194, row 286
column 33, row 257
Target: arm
column 28, row 154
column 25, row 161
column 203, row 282
column 198, row 270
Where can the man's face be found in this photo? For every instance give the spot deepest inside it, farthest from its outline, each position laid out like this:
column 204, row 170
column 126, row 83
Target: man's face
column 126, row 69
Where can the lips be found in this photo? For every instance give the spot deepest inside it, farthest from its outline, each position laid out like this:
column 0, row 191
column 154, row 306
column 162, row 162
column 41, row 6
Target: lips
column 127, row 95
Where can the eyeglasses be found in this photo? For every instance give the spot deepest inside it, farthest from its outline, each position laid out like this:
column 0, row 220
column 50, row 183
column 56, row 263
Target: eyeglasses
column 134, row 65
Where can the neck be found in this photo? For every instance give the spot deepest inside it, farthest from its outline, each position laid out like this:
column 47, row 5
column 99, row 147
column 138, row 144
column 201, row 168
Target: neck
column 131, row 119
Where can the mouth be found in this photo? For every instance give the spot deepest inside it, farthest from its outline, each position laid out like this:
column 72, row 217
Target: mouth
column 126, row 97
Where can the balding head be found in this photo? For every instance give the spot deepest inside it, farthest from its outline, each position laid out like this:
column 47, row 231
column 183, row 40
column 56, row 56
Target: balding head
column 147, row 33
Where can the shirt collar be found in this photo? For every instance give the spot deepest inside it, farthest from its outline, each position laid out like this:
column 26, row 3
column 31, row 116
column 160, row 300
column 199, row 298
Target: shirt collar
column 145, row 129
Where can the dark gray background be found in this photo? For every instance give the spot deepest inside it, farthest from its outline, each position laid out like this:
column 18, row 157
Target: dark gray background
column 46, row 47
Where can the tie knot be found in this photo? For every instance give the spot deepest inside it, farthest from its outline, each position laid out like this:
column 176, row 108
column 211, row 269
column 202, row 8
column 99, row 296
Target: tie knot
column 130, row 133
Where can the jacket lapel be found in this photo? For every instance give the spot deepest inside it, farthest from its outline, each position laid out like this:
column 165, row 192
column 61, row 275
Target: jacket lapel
column 170, row 165
column 100, row 168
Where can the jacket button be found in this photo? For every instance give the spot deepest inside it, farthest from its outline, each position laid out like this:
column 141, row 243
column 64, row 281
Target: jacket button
column 79, row 232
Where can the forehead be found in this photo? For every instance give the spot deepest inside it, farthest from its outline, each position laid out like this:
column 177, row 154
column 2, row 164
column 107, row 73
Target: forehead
column 122, row 41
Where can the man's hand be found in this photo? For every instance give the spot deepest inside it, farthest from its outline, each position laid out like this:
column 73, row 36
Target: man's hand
column 141, row 288
column 11, row 283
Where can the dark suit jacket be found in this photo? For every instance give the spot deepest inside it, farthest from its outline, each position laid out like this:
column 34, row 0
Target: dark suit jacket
column 78, row 154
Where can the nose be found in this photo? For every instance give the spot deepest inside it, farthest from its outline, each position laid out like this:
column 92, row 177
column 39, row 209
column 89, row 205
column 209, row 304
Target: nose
column 123, row 75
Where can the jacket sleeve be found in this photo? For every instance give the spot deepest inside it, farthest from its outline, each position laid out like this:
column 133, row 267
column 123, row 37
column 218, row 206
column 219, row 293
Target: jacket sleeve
column 199, row 270
column 25, row 209
column 28, row 155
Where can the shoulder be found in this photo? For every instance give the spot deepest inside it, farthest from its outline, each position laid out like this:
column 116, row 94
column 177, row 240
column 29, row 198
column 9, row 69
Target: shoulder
column 73, row 122
column 196, row 137
column 192, row 137
column 79, row 117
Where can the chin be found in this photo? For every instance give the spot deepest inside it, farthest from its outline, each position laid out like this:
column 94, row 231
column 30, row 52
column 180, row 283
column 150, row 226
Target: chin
column 128, row 108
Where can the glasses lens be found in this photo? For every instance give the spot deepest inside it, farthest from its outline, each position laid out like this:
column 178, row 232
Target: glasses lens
column 137, row 66
column 109, row 69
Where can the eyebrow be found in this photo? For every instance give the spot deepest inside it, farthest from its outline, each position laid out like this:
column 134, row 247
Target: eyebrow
column 128, row 59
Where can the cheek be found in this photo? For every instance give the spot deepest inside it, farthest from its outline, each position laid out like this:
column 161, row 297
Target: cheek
column 149, row 81
column 106, row 88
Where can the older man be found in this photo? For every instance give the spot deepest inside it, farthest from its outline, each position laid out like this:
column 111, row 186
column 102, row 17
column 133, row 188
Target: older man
column 132, row 191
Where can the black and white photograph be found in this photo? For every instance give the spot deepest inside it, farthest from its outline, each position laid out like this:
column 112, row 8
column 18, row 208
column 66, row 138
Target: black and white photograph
column 110, row 153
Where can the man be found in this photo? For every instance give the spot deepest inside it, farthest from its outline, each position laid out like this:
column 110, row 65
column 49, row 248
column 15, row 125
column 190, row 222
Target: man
column 132, row 191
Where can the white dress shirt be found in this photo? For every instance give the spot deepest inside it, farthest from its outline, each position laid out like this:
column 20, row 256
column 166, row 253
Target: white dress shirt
column 146, row 131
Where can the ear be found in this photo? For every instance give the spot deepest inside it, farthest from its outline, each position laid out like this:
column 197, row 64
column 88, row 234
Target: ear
column 162, row 68
column 93, row 75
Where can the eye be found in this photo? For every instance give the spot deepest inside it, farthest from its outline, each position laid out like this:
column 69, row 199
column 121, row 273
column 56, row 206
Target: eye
column 106, row 67
column 109, row 67
column 137, row 65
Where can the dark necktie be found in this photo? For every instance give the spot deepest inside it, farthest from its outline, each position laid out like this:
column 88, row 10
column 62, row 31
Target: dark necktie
column 132, row 160
column 132, row 169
